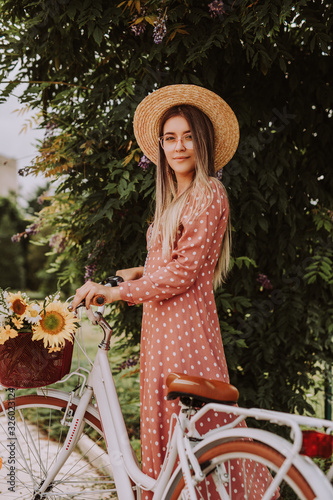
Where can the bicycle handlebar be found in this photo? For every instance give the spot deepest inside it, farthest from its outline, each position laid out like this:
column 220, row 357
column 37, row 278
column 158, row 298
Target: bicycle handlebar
column 100, row 299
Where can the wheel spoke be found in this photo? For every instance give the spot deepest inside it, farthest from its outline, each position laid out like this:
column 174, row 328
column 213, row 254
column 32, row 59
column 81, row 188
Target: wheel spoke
column 243, row 470
column 40, row 436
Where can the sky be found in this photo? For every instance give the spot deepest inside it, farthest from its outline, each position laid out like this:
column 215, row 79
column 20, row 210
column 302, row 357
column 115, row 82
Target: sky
column 21, row 146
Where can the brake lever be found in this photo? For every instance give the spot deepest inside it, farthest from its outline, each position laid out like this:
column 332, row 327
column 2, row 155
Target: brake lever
column 112, row 280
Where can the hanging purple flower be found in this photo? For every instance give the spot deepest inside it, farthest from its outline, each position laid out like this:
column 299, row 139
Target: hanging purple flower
column 90, row 271
column 144, row 162
column 160, row 29
column 58, row 241
column 33, row 229
column 29, row 231
column 264, row 282
column 16, row 238
column 129, row 363
column 23, row 172
column 219, row 174
column 216, row 8
column 138, row 28
column 51, row 126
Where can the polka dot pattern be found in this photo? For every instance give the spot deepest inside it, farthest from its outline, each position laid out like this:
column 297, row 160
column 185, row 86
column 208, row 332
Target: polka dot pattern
column 180, row 326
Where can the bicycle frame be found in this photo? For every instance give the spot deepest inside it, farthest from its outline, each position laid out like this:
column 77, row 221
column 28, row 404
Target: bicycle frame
column 123, row 461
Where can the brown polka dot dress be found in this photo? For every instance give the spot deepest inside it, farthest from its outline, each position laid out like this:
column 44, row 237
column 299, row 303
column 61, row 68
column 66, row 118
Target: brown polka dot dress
column 180, row 326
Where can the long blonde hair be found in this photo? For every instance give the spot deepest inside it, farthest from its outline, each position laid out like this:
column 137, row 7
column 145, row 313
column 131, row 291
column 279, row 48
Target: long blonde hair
column 169, row 208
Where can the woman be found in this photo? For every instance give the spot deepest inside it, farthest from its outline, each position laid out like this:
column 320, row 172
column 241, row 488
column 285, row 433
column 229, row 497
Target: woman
column 188, row 132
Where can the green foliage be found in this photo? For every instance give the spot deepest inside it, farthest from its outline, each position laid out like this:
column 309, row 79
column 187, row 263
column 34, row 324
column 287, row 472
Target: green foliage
column 90, row 63
column 11, row 222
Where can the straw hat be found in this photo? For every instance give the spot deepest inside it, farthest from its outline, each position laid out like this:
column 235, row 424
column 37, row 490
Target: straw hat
column 149, row 112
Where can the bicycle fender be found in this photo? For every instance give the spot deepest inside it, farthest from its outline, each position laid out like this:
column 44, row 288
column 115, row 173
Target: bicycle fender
column 315, row 477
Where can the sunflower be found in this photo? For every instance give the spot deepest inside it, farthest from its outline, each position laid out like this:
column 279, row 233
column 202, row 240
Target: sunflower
column 17, row 303
column 7, row 332
column 57, row 325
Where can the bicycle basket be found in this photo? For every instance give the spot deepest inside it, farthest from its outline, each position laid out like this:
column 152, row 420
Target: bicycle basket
column 25, row 363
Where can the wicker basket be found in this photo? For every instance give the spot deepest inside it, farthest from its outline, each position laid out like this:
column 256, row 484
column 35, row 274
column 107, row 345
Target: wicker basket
column 25, row 363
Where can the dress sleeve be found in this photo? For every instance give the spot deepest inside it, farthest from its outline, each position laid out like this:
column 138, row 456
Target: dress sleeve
column 180, row 272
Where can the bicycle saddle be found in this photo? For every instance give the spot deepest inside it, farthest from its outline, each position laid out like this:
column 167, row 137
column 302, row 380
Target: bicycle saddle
column 201, row 389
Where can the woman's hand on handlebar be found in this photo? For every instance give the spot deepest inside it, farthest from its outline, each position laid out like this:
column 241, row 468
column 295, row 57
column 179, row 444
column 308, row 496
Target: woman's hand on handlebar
column 133, row 273
column 90, row 289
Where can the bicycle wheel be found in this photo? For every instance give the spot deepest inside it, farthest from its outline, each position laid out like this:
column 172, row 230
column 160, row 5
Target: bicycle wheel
column 239, row 470
column 39, row 438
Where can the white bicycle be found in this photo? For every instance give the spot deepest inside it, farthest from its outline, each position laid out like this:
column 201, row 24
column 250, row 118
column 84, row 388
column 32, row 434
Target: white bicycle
column 92, row 458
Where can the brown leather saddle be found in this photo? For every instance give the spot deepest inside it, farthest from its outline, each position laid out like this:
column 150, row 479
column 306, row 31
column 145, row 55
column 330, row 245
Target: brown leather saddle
column 198, row 389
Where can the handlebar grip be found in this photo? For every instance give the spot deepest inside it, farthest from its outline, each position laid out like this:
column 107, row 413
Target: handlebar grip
column 98, row 300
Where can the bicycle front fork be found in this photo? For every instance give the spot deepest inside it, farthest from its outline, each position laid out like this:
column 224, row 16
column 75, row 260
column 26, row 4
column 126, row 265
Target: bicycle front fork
column 73, row 435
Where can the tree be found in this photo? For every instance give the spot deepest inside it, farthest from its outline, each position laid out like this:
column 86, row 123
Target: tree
column 38, row 240
column 11, row 221
column 89, row 64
